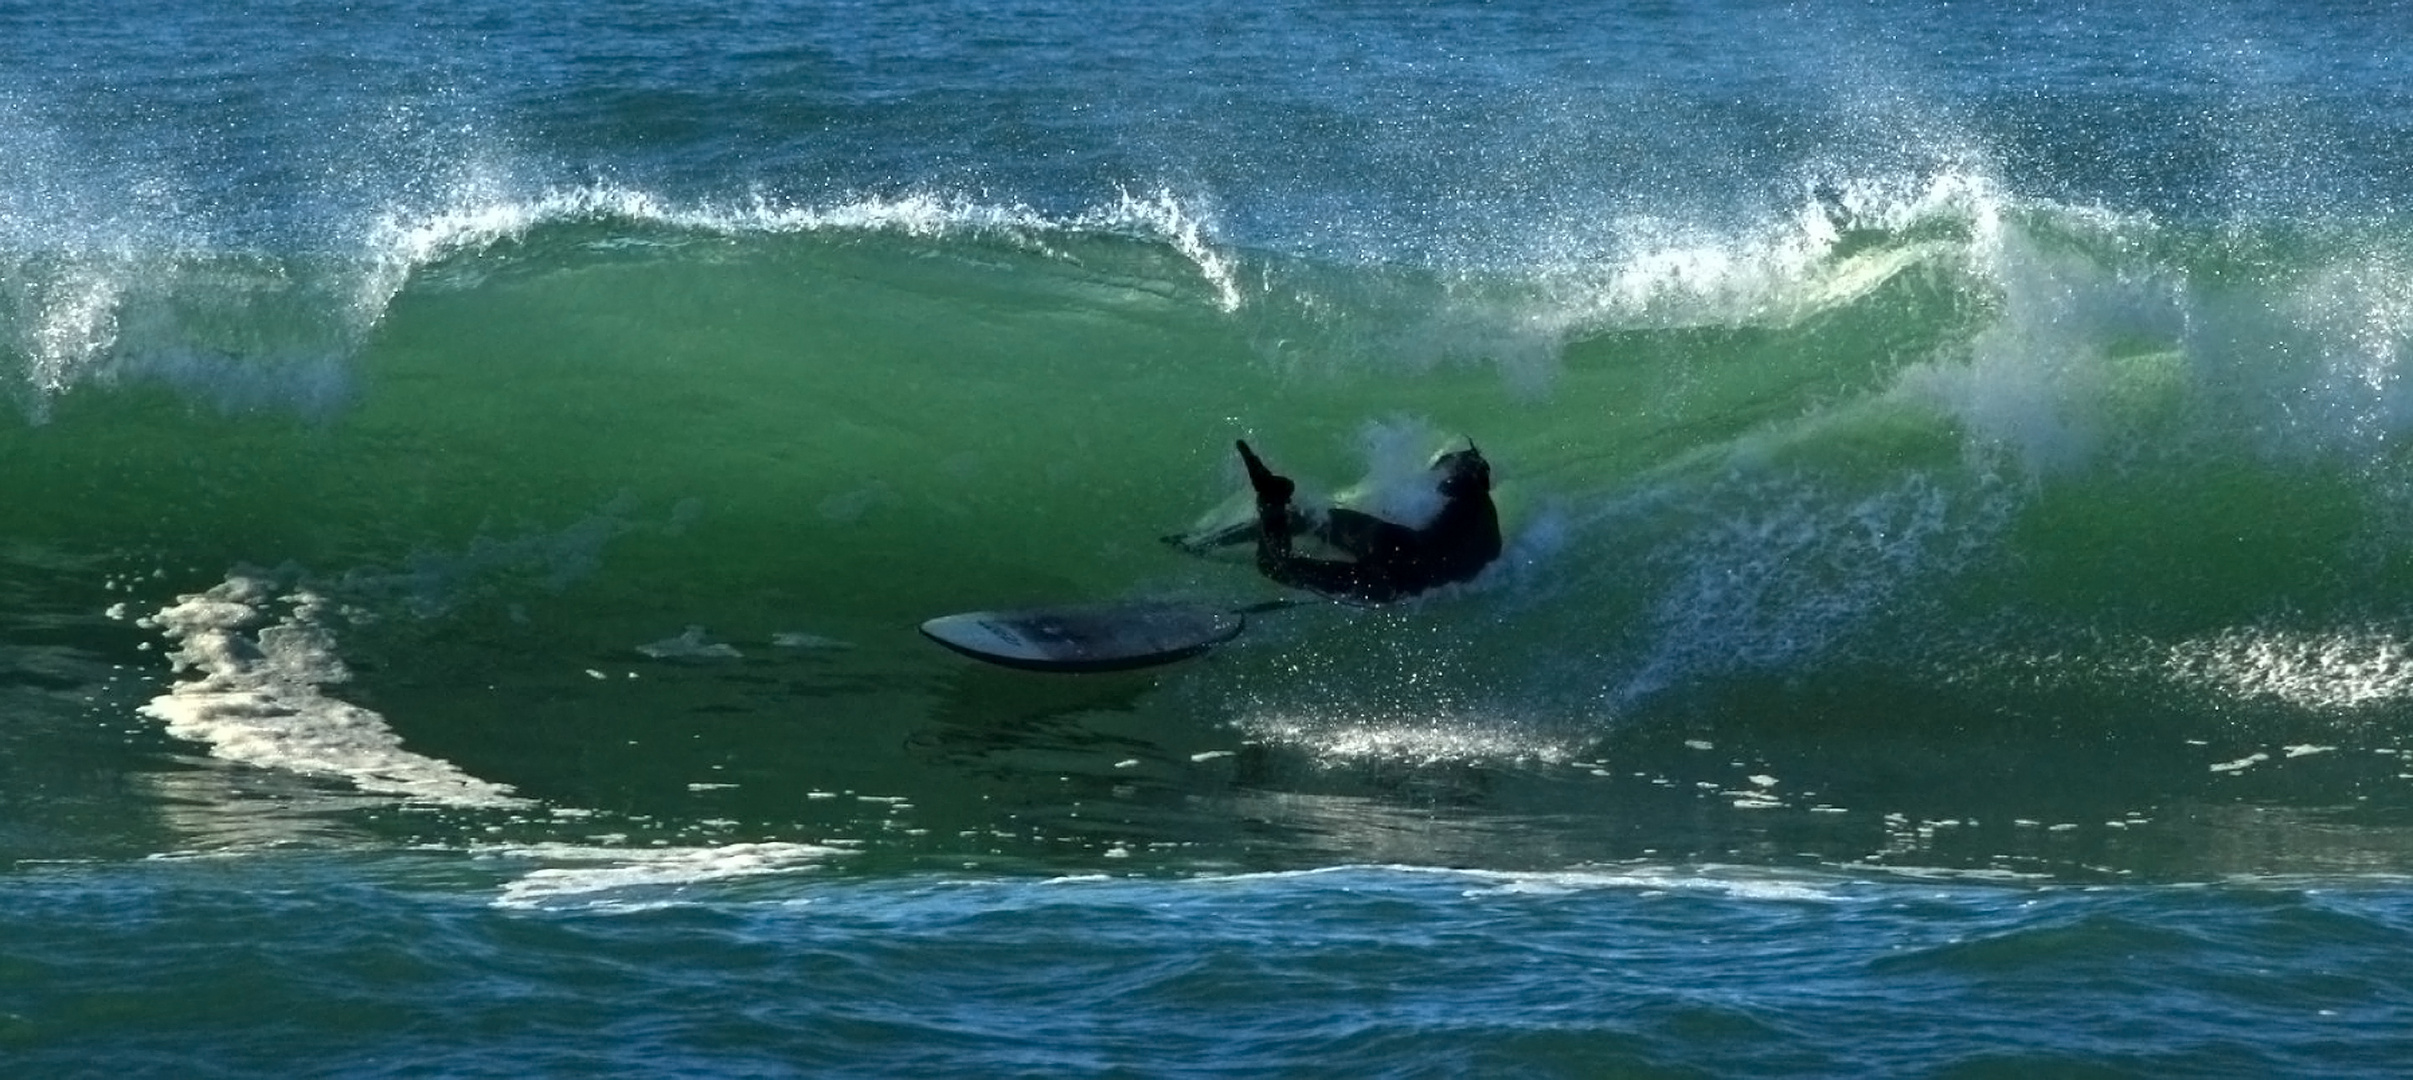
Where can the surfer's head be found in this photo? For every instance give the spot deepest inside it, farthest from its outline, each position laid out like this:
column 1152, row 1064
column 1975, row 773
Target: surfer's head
column 1463, row 472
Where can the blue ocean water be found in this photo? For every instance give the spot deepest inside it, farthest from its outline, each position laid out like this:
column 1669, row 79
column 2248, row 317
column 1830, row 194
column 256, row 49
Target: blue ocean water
column 470, row 477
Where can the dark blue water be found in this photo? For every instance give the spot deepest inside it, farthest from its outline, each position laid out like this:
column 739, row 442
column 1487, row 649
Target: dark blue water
column 469, row 479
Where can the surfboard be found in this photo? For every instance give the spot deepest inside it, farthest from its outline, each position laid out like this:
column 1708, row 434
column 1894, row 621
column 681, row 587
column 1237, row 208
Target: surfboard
column 1088, row 637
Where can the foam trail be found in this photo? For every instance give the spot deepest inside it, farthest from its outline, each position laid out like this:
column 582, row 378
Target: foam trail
column 643, row 878
column 258, row 699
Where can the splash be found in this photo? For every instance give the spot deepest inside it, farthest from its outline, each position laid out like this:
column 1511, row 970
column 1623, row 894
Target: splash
column 1444, row 736
column 1838, row 243
column 2048, row 379
column 2333, row 671
column 1782, row 571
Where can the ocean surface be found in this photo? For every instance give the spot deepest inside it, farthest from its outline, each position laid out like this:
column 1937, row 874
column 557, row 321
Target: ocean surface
column 470, row 476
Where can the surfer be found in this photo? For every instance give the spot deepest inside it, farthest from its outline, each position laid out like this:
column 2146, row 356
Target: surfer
column 1387, row 560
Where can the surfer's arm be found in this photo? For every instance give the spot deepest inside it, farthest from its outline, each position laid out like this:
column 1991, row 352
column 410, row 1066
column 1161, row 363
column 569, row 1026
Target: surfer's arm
column 1346, row 581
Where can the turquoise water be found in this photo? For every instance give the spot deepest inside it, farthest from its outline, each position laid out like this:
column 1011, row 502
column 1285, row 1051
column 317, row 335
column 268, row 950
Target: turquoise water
column 471, row 478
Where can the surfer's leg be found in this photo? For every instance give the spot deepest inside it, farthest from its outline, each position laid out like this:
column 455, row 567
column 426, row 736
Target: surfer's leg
column 1365, row 537
column 1310, row 520
column 1340, row 580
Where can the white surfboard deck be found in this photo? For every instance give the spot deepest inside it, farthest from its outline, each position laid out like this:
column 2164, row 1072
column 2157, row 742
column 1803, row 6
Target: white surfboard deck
column 1087, row 637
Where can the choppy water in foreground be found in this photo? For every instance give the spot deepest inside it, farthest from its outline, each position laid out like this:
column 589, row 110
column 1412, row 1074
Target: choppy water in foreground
column 362, row 968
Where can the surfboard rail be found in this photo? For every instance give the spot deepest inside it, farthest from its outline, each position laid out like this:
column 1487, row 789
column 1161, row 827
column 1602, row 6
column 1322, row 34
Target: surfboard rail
column 1098, row 637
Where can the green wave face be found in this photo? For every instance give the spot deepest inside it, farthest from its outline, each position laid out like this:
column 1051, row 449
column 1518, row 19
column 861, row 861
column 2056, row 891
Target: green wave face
column 1886, row 496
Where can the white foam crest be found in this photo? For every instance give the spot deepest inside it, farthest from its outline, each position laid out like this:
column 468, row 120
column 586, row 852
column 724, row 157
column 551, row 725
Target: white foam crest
column 258, row 698
column 634, row 879
column 1680, row 272
column 237, row 326
column 481, row 215
column 2040, row 381
column 1161, row 215
column 1688, row 268
column 2329, row 671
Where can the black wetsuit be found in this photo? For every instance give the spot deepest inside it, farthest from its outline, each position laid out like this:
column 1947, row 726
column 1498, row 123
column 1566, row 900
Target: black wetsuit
column 1388, row 561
